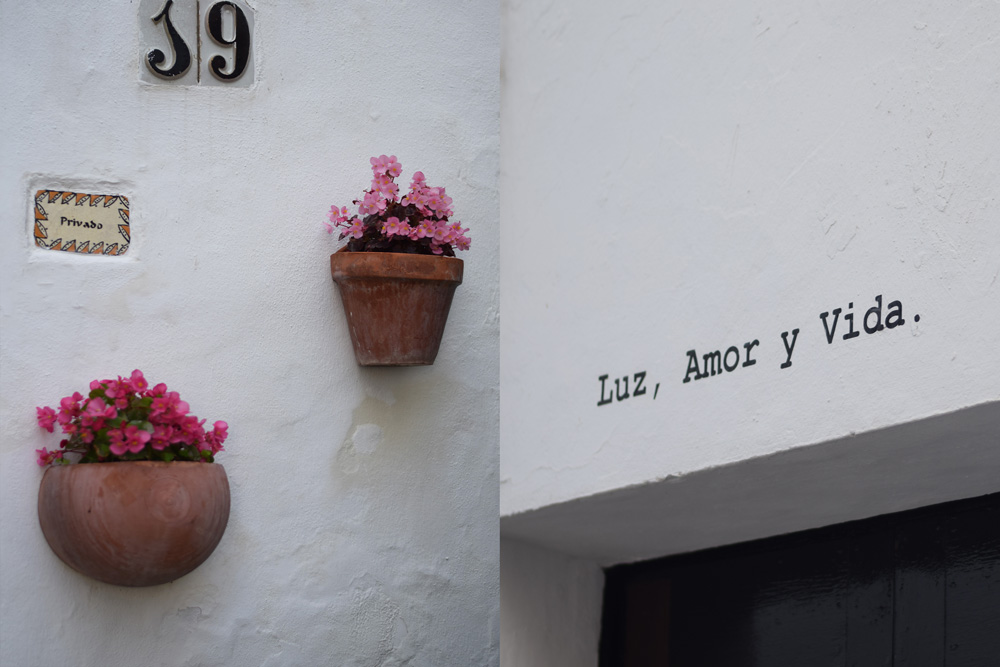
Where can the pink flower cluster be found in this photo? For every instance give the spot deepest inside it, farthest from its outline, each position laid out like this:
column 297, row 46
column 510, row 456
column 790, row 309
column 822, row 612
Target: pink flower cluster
column 417, row 222
column 126, row 420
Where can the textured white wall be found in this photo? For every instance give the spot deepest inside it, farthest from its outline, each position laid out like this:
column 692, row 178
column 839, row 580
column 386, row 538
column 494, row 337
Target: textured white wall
column 550, row 608
column 363, row 528
column 681, row 177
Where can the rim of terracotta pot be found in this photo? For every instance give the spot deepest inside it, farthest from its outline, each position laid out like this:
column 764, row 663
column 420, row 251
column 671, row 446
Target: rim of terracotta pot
column 401, row 266
column 134, row 523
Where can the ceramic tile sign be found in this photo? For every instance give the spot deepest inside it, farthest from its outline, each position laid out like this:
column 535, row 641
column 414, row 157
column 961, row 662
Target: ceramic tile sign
column 89, row 224
column 196, row 42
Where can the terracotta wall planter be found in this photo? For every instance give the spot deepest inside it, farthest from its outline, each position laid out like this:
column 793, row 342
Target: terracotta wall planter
column 396, row 304
column 139, row 523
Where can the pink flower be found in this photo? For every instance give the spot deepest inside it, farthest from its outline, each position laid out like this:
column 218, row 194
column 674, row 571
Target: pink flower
column 96, row 407
column 46, row 418
column 190, row 431
column 338, row 215
column 136, row 438
column 458, row 237
column 169, row 406
column 378, row 164
column 385, row 186
column 156, row 417
column 138, row 381
column 129, row 439
column 356, row 230
column 119, row 391
column 441, row 233
column 393, row 226
column 96, row 412
column 423, row 230
column 160, row 406
column 217, row 436
column 117, row 440
column 45, row 457
column 386, row 165
column 163, row 435
column 329, row 227
column 71, row 403
column 438, row 201
column 387, row 216
column 372, row 204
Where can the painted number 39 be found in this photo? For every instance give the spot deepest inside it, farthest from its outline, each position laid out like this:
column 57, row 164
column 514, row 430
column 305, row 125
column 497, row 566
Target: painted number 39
column 221, row 68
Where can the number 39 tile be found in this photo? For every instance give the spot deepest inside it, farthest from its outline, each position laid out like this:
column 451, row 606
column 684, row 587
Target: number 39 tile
column 196, row 42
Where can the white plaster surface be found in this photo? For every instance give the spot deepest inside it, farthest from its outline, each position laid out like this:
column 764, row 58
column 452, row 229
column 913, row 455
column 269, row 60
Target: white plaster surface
column 879, row 472
column 364, row 519
column 683, row 176
column 550, row 608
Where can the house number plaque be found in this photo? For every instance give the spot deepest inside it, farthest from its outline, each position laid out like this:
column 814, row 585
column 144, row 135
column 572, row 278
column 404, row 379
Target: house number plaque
column 197, row 42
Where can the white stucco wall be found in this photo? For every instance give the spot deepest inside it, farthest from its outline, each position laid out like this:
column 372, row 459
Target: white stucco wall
column 550, row 608
column 363, row 528
column 681, row 176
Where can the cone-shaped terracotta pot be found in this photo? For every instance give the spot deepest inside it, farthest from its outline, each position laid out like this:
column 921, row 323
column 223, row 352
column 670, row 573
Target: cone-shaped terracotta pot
column 396, row 304
column 137, row 523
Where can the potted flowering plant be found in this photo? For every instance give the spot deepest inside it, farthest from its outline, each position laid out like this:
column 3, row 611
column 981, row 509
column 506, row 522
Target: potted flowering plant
column 397, row 273
column 143, row 503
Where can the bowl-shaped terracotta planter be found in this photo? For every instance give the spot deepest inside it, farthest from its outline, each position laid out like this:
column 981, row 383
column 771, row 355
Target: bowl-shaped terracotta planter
column 396, row 304
column 139, row 523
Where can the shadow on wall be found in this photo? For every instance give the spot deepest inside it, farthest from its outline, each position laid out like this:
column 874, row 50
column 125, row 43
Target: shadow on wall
column 925, row 462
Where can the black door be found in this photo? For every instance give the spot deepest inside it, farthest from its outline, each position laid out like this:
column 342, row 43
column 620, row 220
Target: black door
column 915, row 589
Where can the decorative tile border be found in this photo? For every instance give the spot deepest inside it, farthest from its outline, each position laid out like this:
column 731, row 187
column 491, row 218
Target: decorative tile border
column 82, row 223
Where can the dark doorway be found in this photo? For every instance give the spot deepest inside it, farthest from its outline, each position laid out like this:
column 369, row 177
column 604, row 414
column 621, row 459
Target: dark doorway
column 915, row 589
